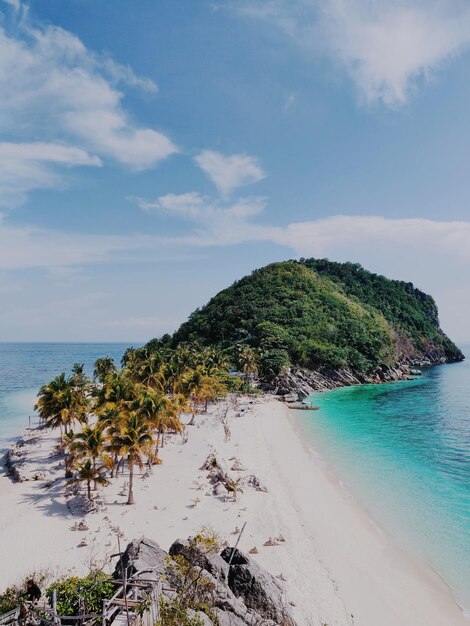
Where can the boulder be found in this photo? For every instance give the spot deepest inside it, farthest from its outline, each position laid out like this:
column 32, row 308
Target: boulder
column 142, row 555
column 202, row 617
column 226, row 618
column 259, row 589
column 212, row 563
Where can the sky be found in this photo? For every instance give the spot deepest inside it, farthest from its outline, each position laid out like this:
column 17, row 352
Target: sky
column 151, row 153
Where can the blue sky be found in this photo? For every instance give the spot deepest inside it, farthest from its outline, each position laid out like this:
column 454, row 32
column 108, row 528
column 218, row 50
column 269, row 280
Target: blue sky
column 151, row 153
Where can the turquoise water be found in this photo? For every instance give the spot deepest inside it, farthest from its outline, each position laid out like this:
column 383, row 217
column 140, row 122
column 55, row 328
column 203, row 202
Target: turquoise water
column 24, row 367
column 404, row 450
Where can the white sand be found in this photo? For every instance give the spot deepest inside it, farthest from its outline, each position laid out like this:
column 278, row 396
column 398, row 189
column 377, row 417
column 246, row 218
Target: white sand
column 339, row 567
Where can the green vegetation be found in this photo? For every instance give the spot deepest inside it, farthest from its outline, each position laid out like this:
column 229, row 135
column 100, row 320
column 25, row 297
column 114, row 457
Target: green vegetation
column 123, row 416
column 406, row 308
column 316, row 313
column 76, row 596
column 195, row 592
column 10, row 599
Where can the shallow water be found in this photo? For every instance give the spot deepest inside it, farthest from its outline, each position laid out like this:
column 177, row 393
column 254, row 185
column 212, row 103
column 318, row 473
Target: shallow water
column 24, row 367
column 404, row 450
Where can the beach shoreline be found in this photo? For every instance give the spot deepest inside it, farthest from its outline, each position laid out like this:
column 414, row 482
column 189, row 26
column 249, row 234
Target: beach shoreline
column 339, row 567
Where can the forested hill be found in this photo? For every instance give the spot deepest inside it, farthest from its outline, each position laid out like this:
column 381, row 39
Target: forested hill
column 316, row 313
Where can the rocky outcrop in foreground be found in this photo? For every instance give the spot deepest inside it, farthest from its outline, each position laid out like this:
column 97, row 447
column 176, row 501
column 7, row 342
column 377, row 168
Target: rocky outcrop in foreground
column 241, row 594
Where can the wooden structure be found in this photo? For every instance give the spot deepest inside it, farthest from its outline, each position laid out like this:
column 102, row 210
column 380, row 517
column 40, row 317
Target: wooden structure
column 136, row 602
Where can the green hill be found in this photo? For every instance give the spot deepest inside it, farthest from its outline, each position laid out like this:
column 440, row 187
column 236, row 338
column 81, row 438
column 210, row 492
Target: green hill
column 316, row 313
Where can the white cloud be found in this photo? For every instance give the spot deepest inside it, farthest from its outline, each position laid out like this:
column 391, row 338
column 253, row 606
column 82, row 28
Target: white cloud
column 343, row 236
column 433, row 255
column 291, row 98
column 229, row 172
column 54, row 89
column 386, row 46
column 27, row 166
column 16, row 4
column 216, row 223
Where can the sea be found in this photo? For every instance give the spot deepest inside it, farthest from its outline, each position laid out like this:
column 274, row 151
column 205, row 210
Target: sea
column 25, row 367
column 402, row 449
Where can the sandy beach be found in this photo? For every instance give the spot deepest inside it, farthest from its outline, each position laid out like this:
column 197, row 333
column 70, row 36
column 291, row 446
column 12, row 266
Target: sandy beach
column 339, row 567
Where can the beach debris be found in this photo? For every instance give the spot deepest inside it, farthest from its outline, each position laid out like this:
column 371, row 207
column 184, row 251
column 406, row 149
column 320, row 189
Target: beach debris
column 281, row 577
column 279, row 538
column 80, row 505
column 253, row 481
column 254, row 550
column 270, row 542
column 236, row 531
column 220, row 490
column 238, row 466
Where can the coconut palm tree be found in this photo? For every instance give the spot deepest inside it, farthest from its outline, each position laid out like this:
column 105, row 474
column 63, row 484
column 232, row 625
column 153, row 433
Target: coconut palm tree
column 133, row 440
column 150, row 371
column 103, row 368
column 86, row 473
column 79, row 379
column 89, row 443
column 67, row 441
column 60, row 403
column 160, row 411
column 248, row 362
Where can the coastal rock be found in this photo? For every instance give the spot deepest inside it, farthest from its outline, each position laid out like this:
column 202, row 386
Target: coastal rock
column 302, row 382
column 259, row 589
column 243, row 594
column 200, row 616
column 142, row 555
column 212, row 563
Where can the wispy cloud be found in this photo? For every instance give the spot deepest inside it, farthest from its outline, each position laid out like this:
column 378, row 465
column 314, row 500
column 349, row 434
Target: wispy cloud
column 291, row 98
column 215, row 223
column 386, row 46
column 27, row 166
column 56, row 90
column 228, row 172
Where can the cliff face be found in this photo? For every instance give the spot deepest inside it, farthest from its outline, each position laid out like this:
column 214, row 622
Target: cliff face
column 336, row 321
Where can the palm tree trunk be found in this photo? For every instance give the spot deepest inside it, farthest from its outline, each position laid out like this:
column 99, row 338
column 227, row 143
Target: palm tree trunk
column 95, row 485
column 130, row 498
column 88, row 488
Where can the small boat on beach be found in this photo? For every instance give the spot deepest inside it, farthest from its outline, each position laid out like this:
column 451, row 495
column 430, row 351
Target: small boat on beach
column 303, row 407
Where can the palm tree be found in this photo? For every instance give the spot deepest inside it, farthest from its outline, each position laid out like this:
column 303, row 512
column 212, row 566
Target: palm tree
column 160, row 411
column 202, row 387
column 103, row 368
column 68, row 439
column 87, row 473
column 150, row 371
column 248, row 362
column 60, row 403
column 79, row 379
column 134, row 440
column 89, row 443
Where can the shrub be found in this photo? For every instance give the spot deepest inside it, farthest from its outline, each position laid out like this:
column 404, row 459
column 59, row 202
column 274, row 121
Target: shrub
column 91, row 590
